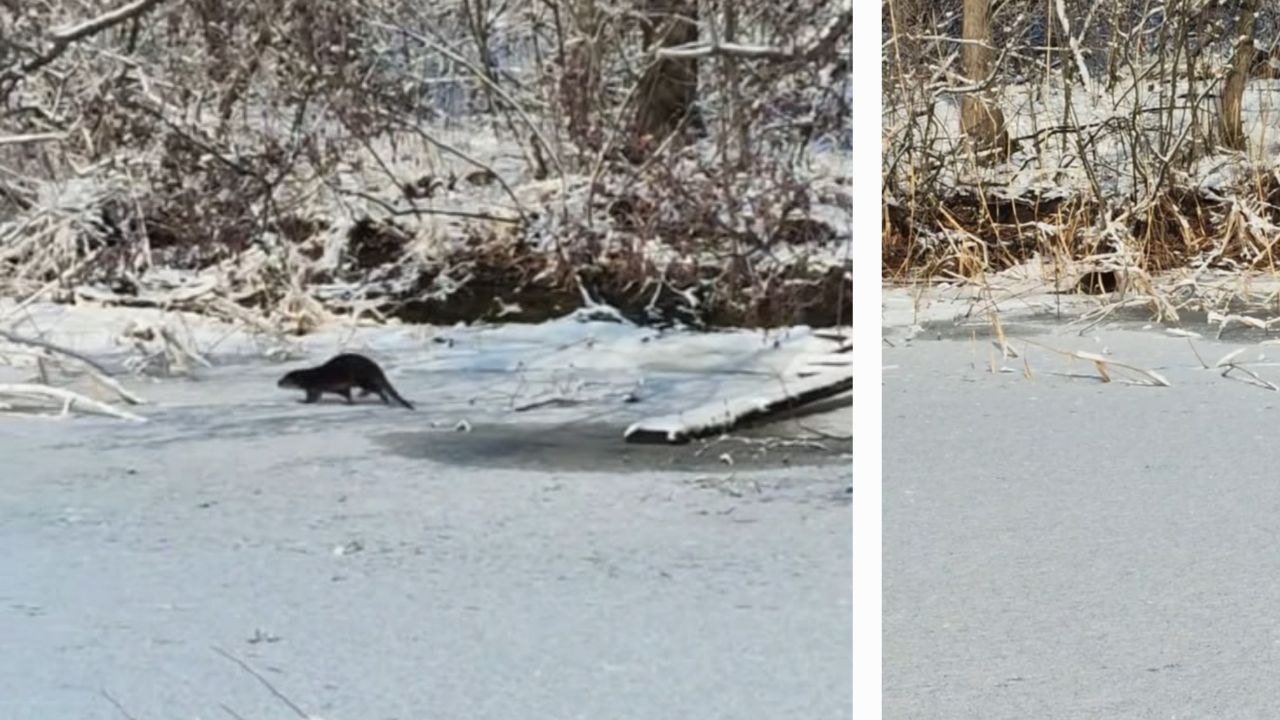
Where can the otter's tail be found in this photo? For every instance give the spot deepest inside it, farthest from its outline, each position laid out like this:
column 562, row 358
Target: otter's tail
column 392, row 392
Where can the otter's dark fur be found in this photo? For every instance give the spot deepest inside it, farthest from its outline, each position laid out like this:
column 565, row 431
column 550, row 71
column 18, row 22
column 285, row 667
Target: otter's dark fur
column 339, row 376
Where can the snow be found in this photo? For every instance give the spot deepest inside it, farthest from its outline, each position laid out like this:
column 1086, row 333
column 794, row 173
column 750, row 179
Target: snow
column 372, row 562
column 611, row 352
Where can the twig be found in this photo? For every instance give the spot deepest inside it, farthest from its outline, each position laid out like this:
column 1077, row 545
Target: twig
column 1100, row 362
column 417, row 211
column 484, row 79
column 1197, row 354
column 1074, row 43
column 1257, row 380
column 823, row 433
column 724, row 49
column 559, row 401
column 31, row 138
column 446, row 147
column 1229, row 358
column 266, row 683
column 116, row 703
column 62, row 39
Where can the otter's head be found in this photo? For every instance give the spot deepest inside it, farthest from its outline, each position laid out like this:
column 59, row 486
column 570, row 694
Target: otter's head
column 290, row 380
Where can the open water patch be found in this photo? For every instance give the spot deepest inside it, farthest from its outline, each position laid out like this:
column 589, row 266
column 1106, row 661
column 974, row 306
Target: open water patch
column 599, row 447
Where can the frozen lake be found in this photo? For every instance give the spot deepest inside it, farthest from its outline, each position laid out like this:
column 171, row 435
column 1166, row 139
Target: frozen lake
column 371, row 562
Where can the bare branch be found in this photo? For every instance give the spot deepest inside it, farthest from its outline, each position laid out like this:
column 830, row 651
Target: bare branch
column 31, row 138
column 62, row 39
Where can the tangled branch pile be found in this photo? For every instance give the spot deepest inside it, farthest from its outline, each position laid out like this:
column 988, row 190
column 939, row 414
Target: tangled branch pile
column 277, row 162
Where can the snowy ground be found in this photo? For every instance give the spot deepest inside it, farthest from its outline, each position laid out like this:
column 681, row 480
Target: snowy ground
column 1056, row 547
column 373, row 562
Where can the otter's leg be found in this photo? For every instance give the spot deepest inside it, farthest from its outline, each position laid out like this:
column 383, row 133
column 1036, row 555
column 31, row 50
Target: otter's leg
column 372, row 390
column 312, row 396
column 346, row 393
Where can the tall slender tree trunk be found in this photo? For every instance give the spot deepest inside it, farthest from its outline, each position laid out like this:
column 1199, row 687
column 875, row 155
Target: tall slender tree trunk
column 669, row 87
column 979, row 119
column 1233, row 89
column 580, row 81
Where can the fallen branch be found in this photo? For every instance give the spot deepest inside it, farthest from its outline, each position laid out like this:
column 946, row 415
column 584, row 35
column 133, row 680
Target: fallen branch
column 721, row 416
column 44, row 344
column 55, row 353
column 68, row 399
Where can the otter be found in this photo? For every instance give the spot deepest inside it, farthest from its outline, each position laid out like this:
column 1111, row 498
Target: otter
column 339, row 376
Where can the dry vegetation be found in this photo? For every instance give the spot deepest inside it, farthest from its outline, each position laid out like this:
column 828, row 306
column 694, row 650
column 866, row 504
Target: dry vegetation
column 277, row 163
column 1114, row 146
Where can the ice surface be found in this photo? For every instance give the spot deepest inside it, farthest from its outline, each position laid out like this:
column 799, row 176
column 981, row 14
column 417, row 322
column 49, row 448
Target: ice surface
column 1059, row 548
column 460, row 587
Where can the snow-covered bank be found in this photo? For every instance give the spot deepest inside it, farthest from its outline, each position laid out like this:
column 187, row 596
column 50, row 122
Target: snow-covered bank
column 561, row 371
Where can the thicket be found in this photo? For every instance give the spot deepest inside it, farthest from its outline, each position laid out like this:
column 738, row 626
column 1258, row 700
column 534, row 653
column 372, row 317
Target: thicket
column 279, row 162
column 1112, row 140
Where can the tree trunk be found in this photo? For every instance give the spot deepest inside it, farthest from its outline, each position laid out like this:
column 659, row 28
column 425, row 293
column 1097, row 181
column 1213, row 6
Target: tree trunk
column 669, row 87
column 1233, row 89
column 580, row 80
column 980, row 120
